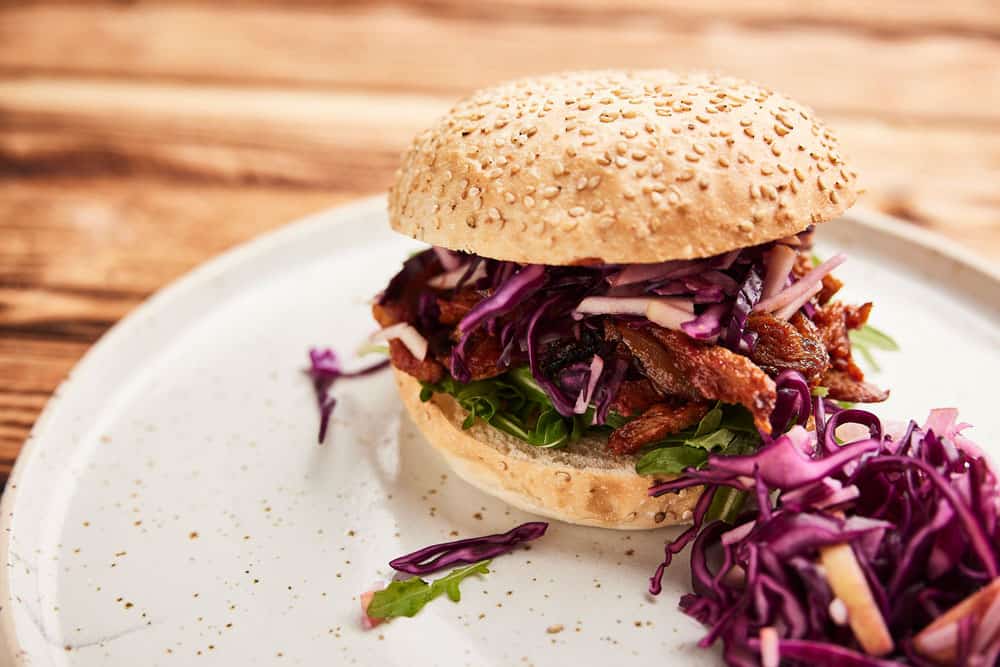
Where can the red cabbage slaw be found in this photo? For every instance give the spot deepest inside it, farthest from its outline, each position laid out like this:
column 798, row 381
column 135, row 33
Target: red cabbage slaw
column 902, row 523
column 708, row 299
column 437, row 557
column 324, row 369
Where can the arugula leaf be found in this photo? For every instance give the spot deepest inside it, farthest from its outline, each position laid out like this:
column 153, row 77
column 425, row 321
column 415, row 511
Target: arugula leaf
column 406, row 598
column 727, row 429
column 867, row 338
column 515, row 404
column 726, row 505
column 729, row 502
column 670, row 460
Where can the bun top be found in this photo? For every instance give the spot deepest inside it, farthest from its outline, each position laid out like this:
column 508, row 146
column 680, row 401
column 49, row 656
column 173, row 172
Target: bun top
column 616, row 166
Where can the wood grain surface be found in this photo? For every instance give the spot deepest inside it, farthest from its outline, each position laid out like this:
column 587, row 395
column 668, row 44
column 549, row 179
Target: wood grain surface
column 138, row 139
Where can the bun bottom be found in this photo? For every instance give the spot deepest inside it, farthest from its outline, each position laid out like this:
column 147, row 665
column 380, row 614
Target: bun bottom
column 583, row 484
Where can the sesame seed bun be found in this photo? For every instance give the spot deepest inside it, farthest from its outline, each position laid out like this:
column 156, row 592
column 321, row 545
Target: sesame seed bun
column 584, row 484
column 616, row 166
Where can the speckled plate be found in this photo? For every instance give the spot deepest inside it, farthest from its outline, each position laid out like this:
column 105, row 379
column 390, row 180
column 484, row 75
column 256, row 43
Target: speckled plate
column 172, row 506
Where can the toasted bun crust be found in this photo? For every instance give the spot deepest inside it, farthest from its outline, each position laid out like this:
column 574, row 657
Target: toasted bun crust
column 615, row 166
column 584, row 484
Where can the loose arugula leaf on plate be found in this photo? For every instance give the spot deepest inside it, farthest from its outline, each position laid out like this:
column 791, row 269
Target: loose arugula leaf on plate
column 407, row 597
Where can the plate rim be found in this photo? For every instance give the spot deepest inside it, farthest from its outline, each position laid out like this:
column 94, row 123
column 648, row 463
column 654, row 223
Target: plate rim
column 217, row 266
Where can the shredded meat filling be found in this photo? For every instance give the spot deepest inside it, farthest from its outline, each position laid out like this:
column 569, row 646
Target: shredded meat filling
column 654, row 424
column 456, row 306
column 427, row 370
column 482, row 354
column 680, row 366
column 794, row 344
column 843, row 387
column 635, row 397
column 834, row 322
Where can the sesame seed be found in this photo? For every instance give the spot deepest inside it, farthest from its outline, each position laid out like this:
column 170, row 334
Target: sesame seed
column 495, row 172
column 699, row 149
column 799, row 175
column 509, row 197
column 608, row 116
column 703, row 184
column 621, row 162
column 577, row 211
column 638, row 156
column 528, row 201
column 769, row 192
column 747, row 131
column 745, row 226
column 685, row 175
column 605, row 222
column 603, row 160
column 581, row 183
column 657, row 169
column 820, row 182
column 558, row 169
column 597, row 206
column 474, row 191
column 834, row 198
column 629, row 133
column 494, row 214
column 583, row 106
column 766, row 170
column 691, row 157
column 550, row 191
column 702, row 119
column 621, row 147
column 477, row 203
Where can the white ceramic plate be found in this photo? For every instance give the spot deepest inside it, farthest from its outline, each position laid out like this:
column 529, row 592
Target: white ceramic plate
column 172, row 506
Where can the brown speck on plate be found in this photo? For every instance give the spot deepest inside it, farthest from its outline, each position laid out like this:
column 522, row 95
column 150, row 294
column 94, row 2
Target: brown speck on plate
column 554, row 629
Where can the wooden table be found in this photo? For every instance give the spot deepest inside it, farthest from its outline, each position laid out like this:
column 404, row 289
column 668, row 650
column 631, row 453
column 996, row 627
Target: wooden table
column 139, row 138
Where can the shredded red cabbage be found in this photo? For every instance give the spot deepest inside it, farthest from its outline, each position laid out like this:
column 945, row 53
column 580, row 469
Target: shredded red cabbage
column 324, row 369
column 529, row 306
column 462, row 552
column 917, row 508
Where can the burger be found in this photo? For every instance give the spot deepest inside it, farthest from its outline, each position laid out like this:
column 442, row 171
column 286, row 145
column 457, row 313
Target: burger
column 620, row 282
